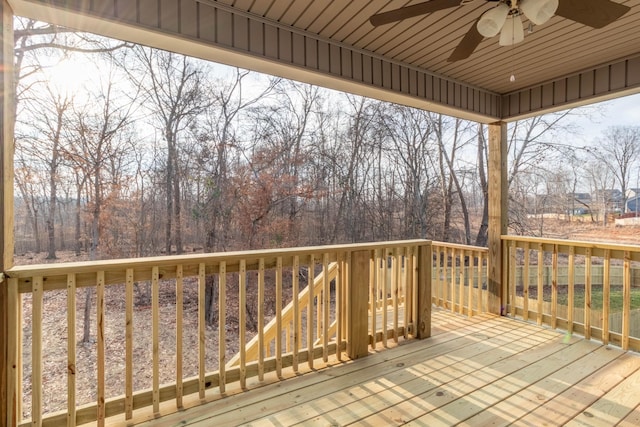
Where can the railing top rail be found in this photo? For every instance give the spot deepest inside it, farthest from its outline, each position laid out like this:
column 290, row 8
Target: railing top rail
column 460, row 246
column 23, row 271
column 576, row 243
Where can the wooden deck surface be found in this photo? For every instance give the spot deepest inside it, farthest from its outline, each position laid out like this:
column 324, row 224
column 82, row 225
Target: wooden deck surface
column 479, row 371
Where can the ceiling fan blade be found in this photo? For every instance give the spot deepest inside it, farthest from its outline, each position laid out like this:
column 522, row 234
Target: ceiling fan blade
column 594, row 13
column 411, row 11
column 468, row 44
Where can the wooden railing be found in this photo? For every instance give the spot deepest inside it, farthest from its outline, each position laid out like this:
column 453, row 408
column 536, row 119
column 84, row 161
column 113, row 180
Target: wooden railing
column 460, row 278
column 592, row 289
column 325, row 301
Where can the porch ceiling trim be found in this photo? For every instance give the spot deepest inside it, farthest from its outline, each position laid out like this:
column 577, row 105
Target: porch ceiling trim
column 597, row 84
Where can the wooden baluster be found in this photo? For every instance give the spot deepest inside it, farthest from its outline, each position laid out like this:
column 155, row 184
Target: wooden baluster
column 242, row 318
column 14, row 359
column 571, row 280
column 626, row 300
column 261, row 343
column 100, row 363
column 383, row 290
column 155, row 326
column 202, row 327
column 373, row 303
column 413, row 278
column 222, row 325
column 479, row 283
column 326, row 293
column 310, row 281
column 395, row 279
column 525, row 283
column 279, row 316
column 128, row 370
column 71, row 349
column 445, row 276
column 319, row 301
column 587, row 293
column 554, row 288
column 453, row 279
column 36, row 351
column 407, row 301
column 504, row 277
column 540, row 290
column 470, row 271
column 606, row 295
column 441, row 275
column 295, row 291
column 461, row 282
column 339, row 311
column 512, row 277
column 179, row 329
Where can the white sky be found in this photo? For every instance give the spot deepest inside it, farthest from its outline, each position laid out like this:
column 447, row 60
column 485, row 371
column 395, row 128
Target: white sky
column 618, row 112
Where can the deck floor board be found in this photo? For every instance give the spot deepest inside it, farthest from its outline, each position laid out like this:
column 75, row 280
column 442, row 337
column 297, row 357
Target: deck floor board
column 483, row 370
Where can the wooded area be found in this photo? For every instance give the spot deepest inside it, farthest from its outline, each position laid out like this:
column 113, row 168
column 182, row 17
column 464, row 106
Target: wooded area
column 153, row 152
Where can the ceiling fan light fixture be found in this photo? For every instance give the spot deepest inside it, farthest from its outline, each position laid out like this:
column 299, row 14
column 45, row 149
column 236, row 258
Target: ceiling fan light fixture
column 512, row 31
column 492, row 20
column 539, row 11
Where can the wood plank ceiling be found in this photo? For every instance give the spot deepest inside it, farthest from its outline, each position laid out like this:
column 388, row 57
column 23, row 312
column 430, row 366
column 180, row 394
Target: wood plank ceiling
column 559, row 47
column 560, row 64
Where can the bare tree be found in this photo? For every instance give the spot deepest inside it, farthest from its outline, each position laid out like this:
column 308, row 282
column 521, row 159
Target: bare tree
column 99, row 139
column 282, row 128
column 352, row 167
column 619, row 150
column 218, row 138
column 450, row 172
column 412, row 151
column 44, row 144
column 174, row 87
column 600, row 179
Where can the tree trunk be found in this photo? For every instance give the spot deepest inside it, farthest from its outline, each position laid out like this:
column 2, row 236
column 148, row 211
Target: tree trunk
column 78, row 227
column 177, row 206
column 211, row 287
column 169, row 199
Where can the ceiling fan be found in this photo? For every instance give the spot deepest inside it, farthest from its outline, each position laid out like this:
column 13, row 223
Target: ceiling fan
column 506, row 18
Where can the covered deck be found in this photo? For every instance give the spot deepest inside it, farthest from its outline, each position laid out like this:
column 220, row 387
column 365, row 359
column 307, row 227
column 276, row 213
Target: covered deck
column 459, row 363
column 482, row 370
column 384, row 333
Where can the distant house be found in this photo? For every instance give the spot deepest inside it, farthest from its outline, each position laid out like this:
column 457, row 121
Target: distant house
column 578, row 203
column 612, row 199
column 633, row 204
column 633, row 192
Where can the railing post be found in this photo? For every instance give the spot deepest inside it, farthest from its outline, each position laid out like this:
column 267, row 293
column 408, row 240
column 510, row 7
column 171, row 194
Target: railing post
column 498, row 213
column 358, row 305
column 423, row 289
column 8, row 412
column 5, row 407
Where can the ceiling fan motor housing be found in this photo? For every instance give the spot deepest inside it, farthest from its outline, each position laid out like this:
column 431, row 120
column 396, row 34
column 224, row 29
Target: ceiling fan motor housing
column 493, row 21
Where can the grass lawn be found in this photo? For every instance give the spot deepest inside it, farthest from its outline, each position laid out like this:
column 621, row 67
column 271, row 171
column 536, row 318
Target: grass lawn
column 596, row 298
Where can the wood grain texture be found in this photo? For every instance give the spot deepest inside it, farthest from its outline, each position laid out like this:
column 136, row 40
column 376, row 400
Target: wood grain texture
column 483, row 370
column 498, row 192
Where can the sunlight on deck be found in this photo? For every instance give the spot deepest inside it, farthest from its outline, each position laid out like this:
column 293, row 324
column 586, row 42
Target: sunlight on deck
column 473, row 371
